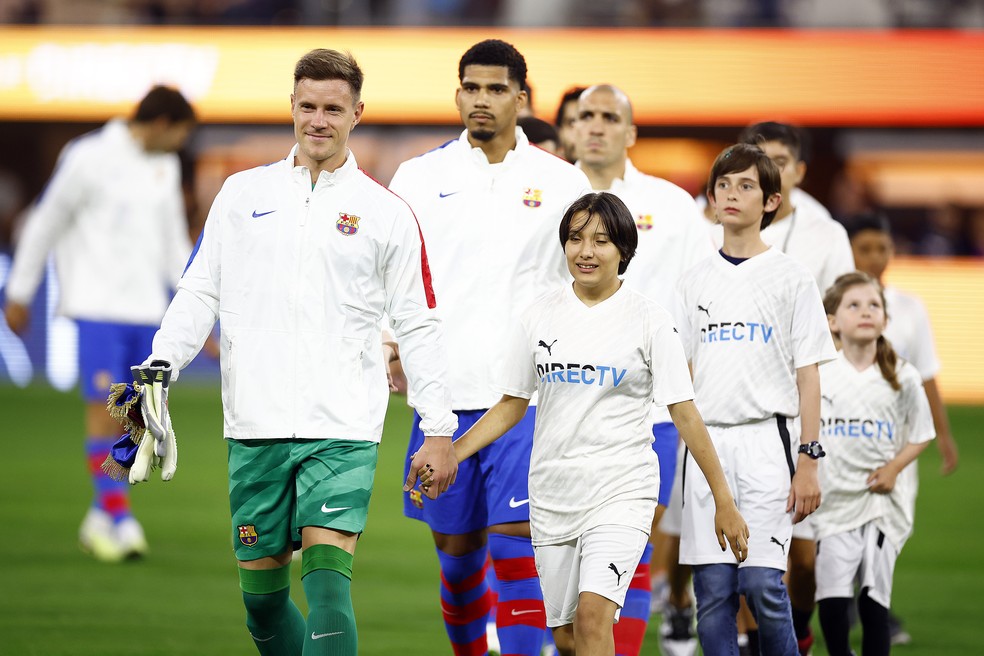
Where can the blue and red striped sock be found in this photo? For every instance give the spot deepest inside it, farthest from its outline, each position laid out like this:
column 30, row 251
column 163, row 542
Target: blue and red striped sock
column 465, row 601
column 631, row 627
column 520, row 619
column 110, row 496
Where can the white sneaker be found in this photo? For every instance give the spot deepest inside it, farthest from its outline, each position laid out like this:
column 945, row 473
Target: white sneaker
column 130, row 537
column 492, row 638
column 97, row 537
column 660, row 595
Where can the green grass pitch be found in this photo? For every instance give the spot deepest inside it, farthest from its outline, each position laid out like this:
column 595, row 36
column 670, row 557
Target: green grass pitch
column 184, row 598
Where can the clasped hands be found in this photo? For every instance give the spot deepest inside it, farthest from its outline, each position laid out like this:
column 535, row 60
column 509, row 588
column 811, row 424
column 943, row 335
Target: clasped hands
column 434, row 467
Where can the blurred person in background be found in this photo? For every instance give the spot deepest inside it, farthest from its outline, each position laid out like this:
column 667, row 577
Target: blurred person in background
column 489, row 206
column 113, row 214
column 672, row 239
column 564, row 122
column 540, row 134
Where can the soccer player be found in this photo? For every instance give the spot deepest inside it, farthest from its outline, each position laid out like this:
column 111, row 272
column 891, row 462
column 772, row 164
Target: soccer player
column 540, row 134
column 876, row 422
column 489, row 205
column 300, row 260
column 754, row 330
column 113, row 214
column 672, row 239
column 593, row 474
column 564, row 122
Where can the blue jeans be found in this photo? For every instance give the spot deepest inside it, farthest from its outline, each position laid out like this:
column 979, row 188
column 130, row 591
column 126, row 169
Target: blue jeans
column 717, row 588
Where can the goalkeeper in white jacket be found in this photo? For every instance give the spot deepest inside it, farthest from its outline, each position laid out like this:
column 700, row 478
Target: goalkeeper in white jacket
column 300, row 261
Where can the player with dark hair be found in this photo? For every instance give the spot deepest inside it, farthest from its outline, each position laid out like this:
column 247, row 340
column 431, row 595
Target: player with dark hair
column 114, row 198
column 540, row 134
column 593, row 474
column 754, row 329
column 492, row 195
column 564, row 122
column 300, row 260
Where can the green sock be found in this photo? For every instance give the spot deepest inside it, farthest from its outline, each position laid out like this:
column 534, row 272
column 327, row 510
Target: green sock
column 274, row 622
column 331, row 618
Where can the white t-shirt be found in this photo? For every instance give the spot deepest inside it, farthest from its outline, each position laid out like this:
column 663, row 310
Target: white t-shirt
column 864, row 425
column 910, row 333
column 491, row 237
column 809, row 236
column 597, row 370
column 746, row 329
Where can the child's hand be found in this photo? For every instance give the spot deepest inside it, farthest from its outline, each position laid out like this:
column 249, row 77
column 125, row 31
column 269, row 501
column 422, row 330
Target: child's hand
column 882, row 480
column 730, row 527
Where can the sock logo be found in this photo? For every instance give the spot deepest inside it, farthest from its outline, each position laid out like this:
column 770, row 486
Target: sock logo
column 319, row 636
column 618, row 574
column 547, row 346
column 705, row 310
column 782, row 545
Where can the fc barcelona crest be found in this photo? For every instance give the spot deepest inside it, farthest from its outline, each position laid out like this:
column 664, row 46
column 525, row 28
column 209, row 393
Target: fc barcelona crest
column 417, row 499
column 644, row 222
column 532, row 197
column 347, row 224
column 247, row 534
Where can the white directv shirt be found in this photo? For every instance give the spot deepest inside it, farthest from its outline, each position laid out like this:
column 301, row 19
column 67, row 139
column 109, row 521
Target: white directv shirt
column 597, row 371
column 864, row 425
column 910, row 333
column 810, row 236
column 746, row 329
column 114, row 215
column 672, row 238
column 491, row 234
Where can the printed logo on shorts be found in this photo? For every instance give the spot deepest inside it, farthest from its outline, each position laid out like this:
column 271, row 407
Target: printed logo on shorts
column 612, row 567
column 347, row 224
column 247, row 535
column 417, row 499
column 532, row 197
column 644, row 222
column 782, row 545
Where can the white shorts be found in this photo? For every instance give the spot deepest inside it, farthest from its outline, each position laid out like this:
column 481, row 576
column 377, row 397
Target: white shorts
column 601, row 561
column 864, row 555
column 757, row 466
column 672, row 519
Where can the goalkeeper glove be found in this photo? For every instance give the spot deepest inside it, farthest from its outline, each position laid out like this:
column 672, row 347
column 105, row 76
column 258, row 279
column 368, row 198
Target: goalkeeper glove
column 162, row 451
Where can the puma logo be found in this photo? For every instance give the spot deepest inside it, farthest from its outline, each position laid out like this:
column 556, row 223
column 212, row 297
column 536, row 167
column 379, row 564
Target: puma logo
column 705, row 310
column 547, row 346
column 826, row 398
column 782, row 545
column 612, row 567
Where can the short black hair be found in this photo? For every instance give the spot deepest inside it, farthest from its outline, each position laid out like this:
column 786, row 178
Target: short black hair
column 571, row 94
column 767, row 131
column 536, row 130
column 494, row 52
column 867, row 221
column 614, row 215
column 164, row 102
column 743, row 156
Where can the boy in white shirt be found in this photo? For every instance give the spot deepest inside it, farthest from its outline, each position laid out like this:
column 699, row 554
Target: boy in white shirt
column 754, row 330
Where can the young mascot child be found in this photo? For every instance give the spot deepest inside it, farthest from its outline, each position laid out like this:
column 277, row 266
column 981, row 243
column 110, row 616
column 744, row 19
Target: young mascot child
column 599, row 355
column 753, row 328
column 876, row 421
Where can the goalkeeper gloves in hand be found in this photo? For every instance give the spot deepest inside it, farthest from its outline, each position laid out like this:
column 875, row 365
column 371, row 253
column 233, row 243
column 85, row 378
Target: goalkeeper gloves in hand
column 163, row 450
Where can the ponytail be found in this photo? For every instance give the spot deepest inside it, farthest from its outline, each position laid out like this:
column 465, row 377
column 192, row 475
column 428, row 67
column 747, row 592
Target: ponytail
column 887, row 360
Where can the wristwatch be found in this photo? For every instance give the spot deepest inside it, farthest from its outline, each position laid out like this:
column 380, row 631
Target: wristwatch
column 813, row 449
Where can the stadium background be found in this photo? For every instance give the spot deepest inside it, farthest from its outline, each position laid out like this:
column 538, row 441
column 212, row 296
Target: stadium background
column 898, row 113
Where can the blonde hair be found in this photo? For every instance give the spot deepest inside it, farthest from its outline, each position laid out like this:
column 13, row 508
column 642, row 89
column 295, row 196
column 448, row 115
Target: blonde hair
column 885, row 356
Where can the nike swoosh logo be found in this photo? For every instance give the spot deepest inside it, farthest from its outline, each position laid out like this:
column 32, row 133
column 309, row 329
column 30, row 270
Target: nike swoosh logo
column 516, row 504
column 444, row 195
column 515, row 612
column 319, row 636
column 257, row 215
column 326, row 509
column 262, row 639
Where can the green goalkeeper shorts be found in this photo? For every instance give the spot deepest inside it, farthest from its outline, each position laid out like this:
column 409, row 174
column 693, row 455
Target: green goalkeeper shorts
column 277, row 487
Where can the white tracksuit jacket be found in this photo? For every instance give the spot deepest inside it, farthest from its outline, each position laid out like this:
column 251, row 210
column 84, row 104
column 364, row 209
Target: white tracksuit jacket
column 299, row 280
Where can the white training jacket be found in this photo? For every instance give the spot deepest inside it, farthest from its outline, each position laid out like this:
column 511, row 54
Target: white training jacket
column 492, row 233
column 299, row 280
column 115, row 216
